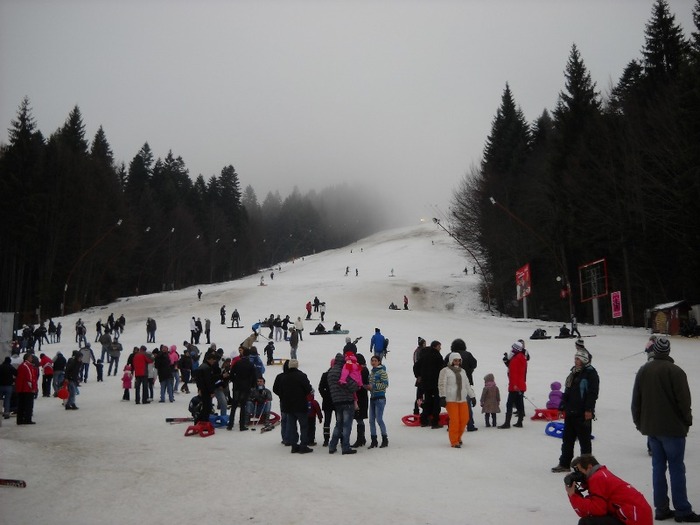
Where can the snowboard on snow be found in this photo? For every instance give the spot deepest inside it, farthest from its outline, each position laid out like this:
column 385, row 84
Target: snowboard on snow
column 330, row 332
column 175, row 420
column 20, row 483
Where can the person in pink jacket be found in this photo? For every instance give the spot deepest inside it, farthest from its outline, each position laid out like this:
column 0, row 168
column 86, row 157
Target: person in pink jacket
column 126, row 382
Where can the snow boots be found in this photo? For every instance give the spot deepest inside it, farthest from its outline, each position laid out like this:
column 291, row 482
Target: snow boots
column 507, row 422
column 374, row 443
column 385, row 441
column 326, row 435
column 361, row 441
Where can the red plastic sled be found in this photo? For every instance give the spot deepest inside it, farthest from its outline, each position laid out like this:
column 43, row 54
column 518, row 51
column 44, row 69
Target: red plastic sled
column 413, row 420
column 549, row 414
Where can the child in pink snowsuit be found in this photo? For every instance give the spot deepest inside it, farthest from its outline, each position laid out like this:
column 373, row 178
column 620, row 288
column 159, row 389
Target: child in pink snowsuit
column 353, row 370
column 126, row 382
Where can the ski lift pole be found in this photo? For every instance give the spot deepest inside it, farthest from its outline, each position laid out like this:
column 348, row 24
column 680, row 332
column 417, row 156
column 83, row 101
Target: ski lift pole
column 486, row 284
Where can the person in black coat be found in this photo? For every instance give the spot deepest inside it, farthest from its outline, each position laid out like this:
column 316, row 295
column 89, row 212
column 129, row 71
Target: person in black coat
column 327, row 406
column 165, row 373
column 292, row 389
column 427, row 369
column 362, row 403
column 204, row 377
column 244, row 376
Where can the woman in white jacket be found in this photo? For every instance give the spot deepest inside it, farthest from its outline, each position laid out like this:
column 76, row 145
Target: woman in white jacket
column 455, row 394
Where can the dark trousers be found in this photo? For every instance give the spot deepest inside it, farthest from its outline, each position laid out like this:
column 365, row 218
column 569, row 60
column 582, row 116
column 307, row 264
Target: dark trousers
column 431, row 407
column 25, row 407
column 141, row 388
column 46, row 385
column 515, row 400
column 575, row 427
column 238, row 401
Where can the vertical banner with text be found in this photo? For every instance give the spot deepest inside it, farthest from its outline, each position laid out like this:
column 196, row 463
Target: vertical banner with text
column 616, row 302
column 522, row 282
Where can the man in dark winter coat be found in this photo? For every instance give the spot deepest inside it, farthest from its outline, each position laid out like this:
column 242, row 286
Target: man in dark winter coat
column 661, row 409
column 426, row 370
column 578, row 403
column 326, row 406
column 344, row 403
column 292, row 390
column 73, row 367
column 244, row 377
column 204, row 377
column 165, row 373
column 468, row 365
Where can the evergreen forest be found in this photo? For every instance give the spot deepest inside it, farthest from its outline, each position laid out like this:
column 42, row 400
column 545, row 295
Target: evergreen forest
column 79, row 229
column 609, row 176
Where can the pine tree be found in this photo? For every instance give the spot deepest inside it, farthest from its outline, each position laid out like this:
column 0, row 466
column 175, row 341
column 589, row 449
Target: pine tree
column 665, row 48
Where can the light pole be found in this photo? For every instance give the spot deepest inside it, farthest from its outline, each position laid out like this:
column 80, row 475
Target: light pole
column 486, row 284
column 82, row 256
column 564, row 273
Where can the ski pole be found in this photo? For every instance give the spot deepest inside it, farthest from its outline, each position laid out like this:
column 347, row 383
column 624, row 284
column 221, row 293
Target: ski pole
column 636, row 353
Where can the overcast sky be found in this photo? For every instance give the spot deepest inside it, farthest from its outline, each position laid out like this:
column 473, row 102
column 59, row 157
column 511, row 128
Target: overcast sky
column 396, row 94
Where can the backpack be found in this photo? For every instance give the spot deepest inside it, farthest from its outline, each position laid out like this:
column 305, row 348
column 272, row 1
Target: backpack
column 386, row 345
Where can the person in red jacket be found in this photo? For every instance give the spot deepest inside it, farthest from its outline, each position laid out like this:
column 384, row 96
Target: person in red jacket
column 517, row 386
column 140, row 366
column 610, row 500
column 26, row 386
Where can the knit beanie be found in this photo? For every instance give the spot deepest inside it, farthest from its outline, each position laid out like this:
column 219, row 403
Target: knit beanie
column 583, row 355
column 517, row 347
column 580, row 344
column 293, row 363
column 452, row 357
column 661, row 346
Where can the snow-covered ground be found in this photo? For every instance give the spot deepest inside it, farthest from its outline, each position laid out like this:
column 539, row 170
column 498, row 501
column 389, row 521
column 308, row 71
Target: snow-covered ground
column 117, row 462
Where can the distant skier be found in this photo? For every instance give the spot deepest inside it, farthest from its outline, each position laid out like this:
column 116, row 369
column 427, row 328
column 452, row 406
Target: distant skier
column 235, row 318
column 405, row 302
column 199, row 294
column 222, row 312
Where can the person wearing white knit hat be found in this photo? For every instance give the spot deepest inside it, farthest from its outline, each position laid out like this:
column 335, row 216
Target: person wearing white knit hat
column 578, row 403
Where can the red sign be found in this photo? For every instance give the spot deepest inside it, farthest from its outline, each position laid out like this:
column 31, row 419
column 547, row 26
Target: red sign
column 616, row 301
column 522, row 282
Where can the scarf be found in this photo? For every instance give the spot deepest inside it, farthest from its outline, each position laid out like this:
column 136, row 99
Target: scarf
column 458, row 378
column 570, row 380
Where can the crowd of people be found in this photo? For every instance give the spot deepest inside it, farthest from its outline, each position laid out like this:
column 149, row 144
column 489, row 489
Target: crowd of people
column 352, row 391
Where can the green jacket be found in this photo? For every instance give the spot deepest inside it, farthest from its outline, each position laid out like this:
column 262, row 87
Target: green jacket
column 661, row 399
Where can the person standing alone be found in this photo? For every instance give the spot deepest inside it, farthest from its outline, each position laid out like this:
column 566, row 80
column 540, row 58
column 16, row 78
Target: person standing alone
column 661, row 410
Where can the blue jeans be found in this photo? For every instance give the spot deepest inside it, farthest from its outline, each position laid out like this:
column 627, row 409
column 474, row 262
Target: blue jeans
column 669, row 451
column 84, row 371
column 376, row 413
column 114, row 361
column 344, row 415
column 166, row 384
column 6, row 394
column 72, row 391
column 141, row 388
column 58, row 378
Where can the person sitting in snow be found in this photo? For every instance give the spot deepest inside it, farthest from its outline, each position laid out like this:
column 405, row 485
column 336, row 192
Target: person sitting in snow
column 337, row 327
column 320, row 329
column 555, row 396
